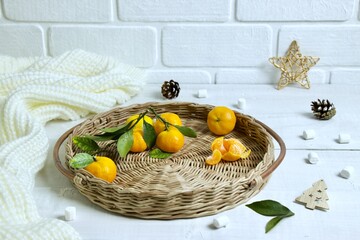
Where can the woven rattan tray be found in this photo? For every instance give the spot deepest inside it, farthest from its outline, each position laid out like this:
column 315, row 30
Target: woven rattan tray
column 181, row 186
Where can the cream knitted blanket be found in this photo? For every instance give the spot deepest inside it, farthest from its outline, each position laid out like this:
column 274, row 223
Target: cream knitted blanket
column 34, row 91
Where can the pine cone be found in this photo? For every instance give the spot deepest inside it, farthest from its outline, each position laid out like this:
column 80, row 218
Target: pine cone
column 170, row 89
column 323, row 109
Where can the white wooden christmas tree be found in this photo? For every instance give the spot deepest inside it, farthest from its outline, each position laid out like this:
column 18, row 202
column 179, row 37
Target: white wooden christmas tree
column 315, row 197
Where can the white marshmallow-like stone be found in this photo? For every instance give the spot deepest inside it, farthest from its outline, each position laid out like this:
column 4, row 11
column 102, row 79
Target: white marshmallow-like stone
column 70, row 213
column 241, row 103
column 221, row 221
column 344, row 138
column 202, row 93
column 347, row 172
column 313, row 157
column 309, row 134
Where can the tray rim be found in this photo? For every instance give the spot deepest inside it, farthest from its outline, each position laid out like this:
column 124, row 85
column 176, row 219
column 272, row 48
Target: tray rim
column 71, row 175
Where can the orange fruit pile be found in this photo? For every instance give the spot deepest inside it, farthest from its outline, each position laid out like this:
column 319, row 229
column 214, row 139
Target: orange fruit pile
column 168, row 138
column 221, row 120
column 227, row 149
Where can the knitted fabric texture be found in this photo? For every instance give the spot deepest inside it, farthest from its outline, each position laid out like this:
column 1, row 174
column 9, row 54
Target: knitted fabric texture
column 34, row 91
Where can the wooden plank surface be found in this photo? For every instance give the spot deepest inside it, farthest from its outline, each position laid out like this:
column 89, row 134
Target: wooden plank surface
column 288, row 112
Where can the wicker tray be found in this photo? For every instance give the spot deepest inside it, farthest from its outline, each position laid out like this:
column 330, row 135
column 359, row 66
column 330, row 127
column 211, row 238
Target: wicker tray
column 181, row 186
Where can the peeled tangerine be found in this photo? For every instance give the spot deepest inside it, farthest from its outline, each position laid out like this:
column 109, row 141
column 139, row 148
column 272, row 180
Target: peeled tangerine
column 227, row 149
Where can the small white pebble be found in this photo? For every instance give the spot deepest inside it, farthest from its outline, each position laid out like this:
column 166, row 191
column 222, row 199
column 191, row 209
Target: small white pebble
column 221, row 221
column 70, row 213
column 241, row 103
column 202, row 93
column 347, row 172
column 344, row 138
column 313, row 157
column 309, row 134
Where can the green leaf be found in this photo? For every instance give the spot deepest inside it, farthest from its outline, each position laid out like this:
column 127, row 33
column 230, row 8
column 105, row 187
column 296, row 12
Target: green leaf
column 274, row 221
column 119, row 130
column 186, row 131
column 157, row 153
column 86, row 144
column 125, row 143
column 114, row 129
column 102, row 137
column 269, row 208
column 112, row 133
column 81, row 160
column 149, row 134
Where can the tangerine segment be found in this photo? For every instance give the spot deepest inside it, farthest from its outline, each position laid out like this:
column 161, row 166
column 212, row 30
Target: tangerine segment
column 231, row 141
column 236, row 150
column 218, row 144
column 234, row 153
column 221, row 120
column 215, row 158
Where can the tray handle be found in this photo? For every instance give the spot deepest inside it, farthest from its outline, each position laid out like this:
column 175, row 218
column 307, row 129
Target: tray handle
column 282, row 153
column 66, row 172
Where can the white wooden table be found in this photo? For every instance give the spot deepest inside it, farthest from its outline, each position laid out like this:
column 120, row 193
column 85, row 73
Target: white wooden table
column 288, row 112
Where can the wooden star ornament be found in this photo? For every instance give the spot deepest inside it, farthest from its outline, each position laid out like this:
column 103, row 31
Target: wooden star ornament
column 294, row 67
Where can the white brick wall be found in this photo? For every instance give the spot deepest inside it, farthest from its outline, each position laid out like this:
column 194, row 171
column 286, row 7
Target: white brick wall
column 335, row 45
column 216, row 45
column 294, row 10
column 345, row 76
column 21, row 40
column 174, row 10
column 58, row 11
column 134, row 45
column 200, row 42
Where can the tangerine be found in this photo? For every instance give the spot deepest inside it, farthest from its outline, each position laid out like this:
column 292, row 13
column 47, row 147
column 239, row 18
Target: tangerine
column 139, row 144
column 171, row 118
column 170, row 140
column 221, row 120
column 139, row 125
column 102, row 167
